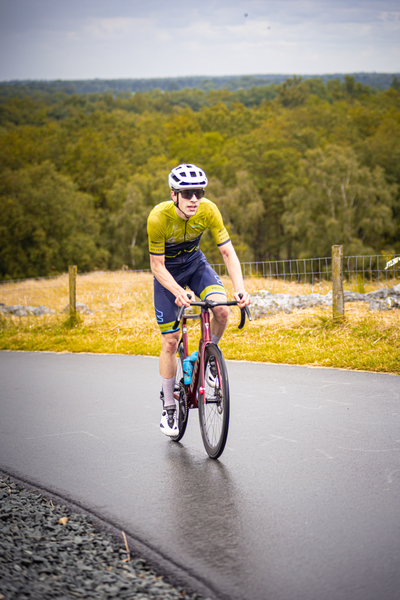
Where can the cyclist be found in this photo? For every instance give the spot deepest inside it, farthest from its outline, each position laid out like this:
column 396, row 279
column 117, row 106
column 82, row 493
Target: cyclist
column 174, row 229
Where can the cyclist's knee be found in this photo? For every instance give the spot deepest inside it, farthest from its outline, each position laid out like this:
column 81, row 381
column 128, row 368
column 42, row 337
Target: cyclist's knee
column 169, row 342
column 221, row 314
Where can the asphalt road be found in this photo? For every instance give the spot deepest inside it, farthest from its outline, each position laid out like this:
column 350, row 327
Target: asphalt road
column 304, row 504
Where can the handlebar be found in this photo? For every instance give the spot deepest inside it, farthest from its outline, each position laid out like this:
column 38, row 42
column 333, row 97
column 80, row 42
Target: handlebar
column 206, row 304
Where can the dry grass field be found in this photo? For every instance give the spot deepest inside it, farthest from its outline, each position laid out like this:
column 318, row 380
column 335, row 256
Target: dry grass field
column 123, row 293
column 125, row 324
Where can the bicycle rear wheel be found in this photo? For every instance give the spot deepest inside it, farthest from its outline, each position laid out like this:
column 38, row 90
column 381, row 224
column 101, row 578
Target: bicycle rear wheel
column 214, row 404
column 180, row 395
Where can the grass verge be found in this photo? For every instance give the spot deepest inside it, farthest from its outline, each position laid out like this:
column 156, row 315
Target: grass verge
column 363, row 341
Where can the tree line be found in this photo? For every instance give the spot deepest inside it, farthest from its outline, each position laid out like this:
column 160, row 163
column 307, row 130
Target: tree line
column 233, row 83
column 294, row 167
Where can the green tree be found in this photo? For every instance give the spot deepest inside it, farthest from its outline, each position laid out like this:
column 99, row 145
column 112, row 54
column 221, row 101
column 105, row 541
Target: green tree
column 270, row 161
column 383, row 149
column 395, row 84
column 27, row 145
column 131, row 203
column 293, row 92
column 338, row 201
column 45, row 224
column 242, row 209
column 115, row 147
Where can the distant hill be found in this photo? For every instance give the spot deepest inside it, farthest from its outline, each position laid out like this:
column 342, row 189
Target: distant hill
column 379, row 81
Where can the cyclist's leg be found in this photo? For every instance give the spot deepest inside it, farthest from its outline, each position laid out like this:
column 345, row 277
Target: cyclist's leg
column 169, row 423
column 166, row 309
column 167, row 365
column 220, row 319
column 206, row 284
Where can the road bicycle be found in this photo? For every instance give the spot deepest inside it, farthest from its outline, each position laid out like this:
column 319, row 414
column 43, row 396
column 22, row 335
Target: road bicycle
column 209, row 387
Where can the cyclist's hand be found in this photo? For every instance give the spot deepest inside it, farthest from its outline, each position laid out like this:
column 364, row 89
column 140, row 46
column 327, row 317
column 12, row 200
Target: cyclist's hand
column 183, row 298
column 243, row 299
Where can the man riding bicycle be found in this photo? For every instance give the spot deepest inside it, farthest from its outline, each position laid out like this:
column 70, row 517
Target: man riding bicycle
column 174, row 229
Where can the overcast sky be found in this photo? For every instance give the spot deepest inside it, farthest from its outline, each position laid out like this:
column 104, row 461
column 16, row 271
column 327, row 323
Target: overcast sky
column 85, row 39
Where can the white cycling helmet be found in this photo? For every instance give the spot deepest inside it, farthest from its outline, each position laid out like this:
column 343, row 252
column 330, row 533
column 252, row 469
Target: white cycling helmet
column 187, row 176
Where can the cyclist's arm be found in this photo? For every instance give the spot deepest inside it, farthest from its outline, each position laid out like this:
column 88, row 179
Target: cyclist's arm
column 235, row 273
column 157, row 266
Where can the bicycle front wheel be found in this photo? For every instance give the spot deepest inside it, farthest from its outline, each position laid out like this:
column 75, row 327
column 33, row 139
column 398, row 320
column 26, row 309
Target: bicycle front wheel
column 214, row 403
column 180, row 396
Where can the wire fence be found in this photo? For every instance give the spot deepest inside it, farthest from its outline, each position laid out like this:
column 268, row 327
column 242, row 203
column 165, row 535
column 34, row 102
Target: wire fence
column 125, row 292
column 105, row 291
column 314, row 275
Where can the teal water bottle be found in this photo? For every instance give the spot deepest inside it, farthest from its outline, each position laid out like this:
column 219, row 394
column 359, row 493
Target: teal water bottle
column 187, row 370
column 188, row 363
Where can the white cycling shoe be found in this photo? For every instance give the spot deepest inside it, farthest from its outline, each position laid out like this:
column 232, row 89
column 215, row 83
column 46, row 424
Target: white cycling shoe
column 212, row 373
column 169, row 422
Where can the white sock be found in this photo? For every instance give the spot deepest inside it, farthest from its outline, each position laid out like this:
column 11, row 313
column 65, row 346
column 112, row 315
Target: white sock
column 168, row 386
column 215, row 339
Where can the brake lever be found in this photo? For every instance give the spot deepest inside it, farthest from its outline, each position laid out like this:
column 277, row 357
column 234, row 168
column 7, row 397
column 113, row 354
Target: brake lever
column 180, row 314
column 243, row 312
column 178, row 317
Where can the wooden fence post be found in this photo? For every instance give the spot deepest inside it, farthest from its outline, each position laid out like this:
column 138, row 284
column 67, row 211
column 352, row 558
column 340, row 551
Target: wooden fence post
column 72, row 270
column 337, row 283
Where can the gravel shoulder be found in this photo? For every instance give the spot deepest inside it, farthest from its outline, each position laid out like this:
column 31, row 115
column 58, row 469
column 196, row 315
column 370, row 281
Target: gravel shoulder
column 47, row 551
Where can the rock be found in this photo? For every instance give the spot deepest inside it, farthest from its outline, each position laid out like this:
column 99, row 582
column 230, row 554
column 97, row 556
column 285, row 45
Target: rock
column 355, row 297
column 265, row 304
column 395, row 290
column 378, row 305
column 378, row 294
column 393, row 301
column 388, row 301
column 25, row 311
column 42, row 310
column 40, row 558
column 18, row 310
column 81, row 308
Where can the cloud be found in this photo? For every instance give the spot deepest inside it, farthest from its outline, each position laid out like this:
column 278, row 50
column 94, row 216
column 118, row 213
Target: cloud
column 390, row 16
column 110, row 29
column 132, row 38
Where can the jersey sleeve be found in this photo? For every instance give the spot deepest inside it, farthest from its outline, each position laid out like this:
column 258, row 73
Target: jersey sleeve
column 217, row 227
column 156, row 234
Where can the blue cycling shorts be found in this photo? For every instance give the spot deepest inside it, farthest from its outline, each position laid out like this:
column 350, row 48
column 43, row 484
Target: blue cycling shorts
column 199, row 277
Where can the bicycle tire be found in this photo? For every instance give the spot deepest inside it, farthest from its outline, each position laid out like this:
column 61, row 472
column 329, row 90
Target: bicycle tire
column 180, row 390
column 214, row 404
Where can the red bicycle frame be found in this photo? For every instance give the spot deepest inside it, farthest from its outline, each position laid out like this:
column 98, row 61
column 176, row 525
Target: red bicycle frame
column 213, row 403
column 205, row 339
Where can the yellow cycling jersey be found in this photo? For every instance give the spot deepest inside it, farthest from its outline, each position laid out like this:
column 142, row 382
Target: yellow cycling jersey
column 177, row 238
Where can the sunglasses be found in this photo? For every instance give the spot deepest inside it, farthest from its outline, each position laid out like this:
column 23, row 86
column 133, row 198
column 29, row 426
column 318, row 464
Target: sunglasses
column 188, row 194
